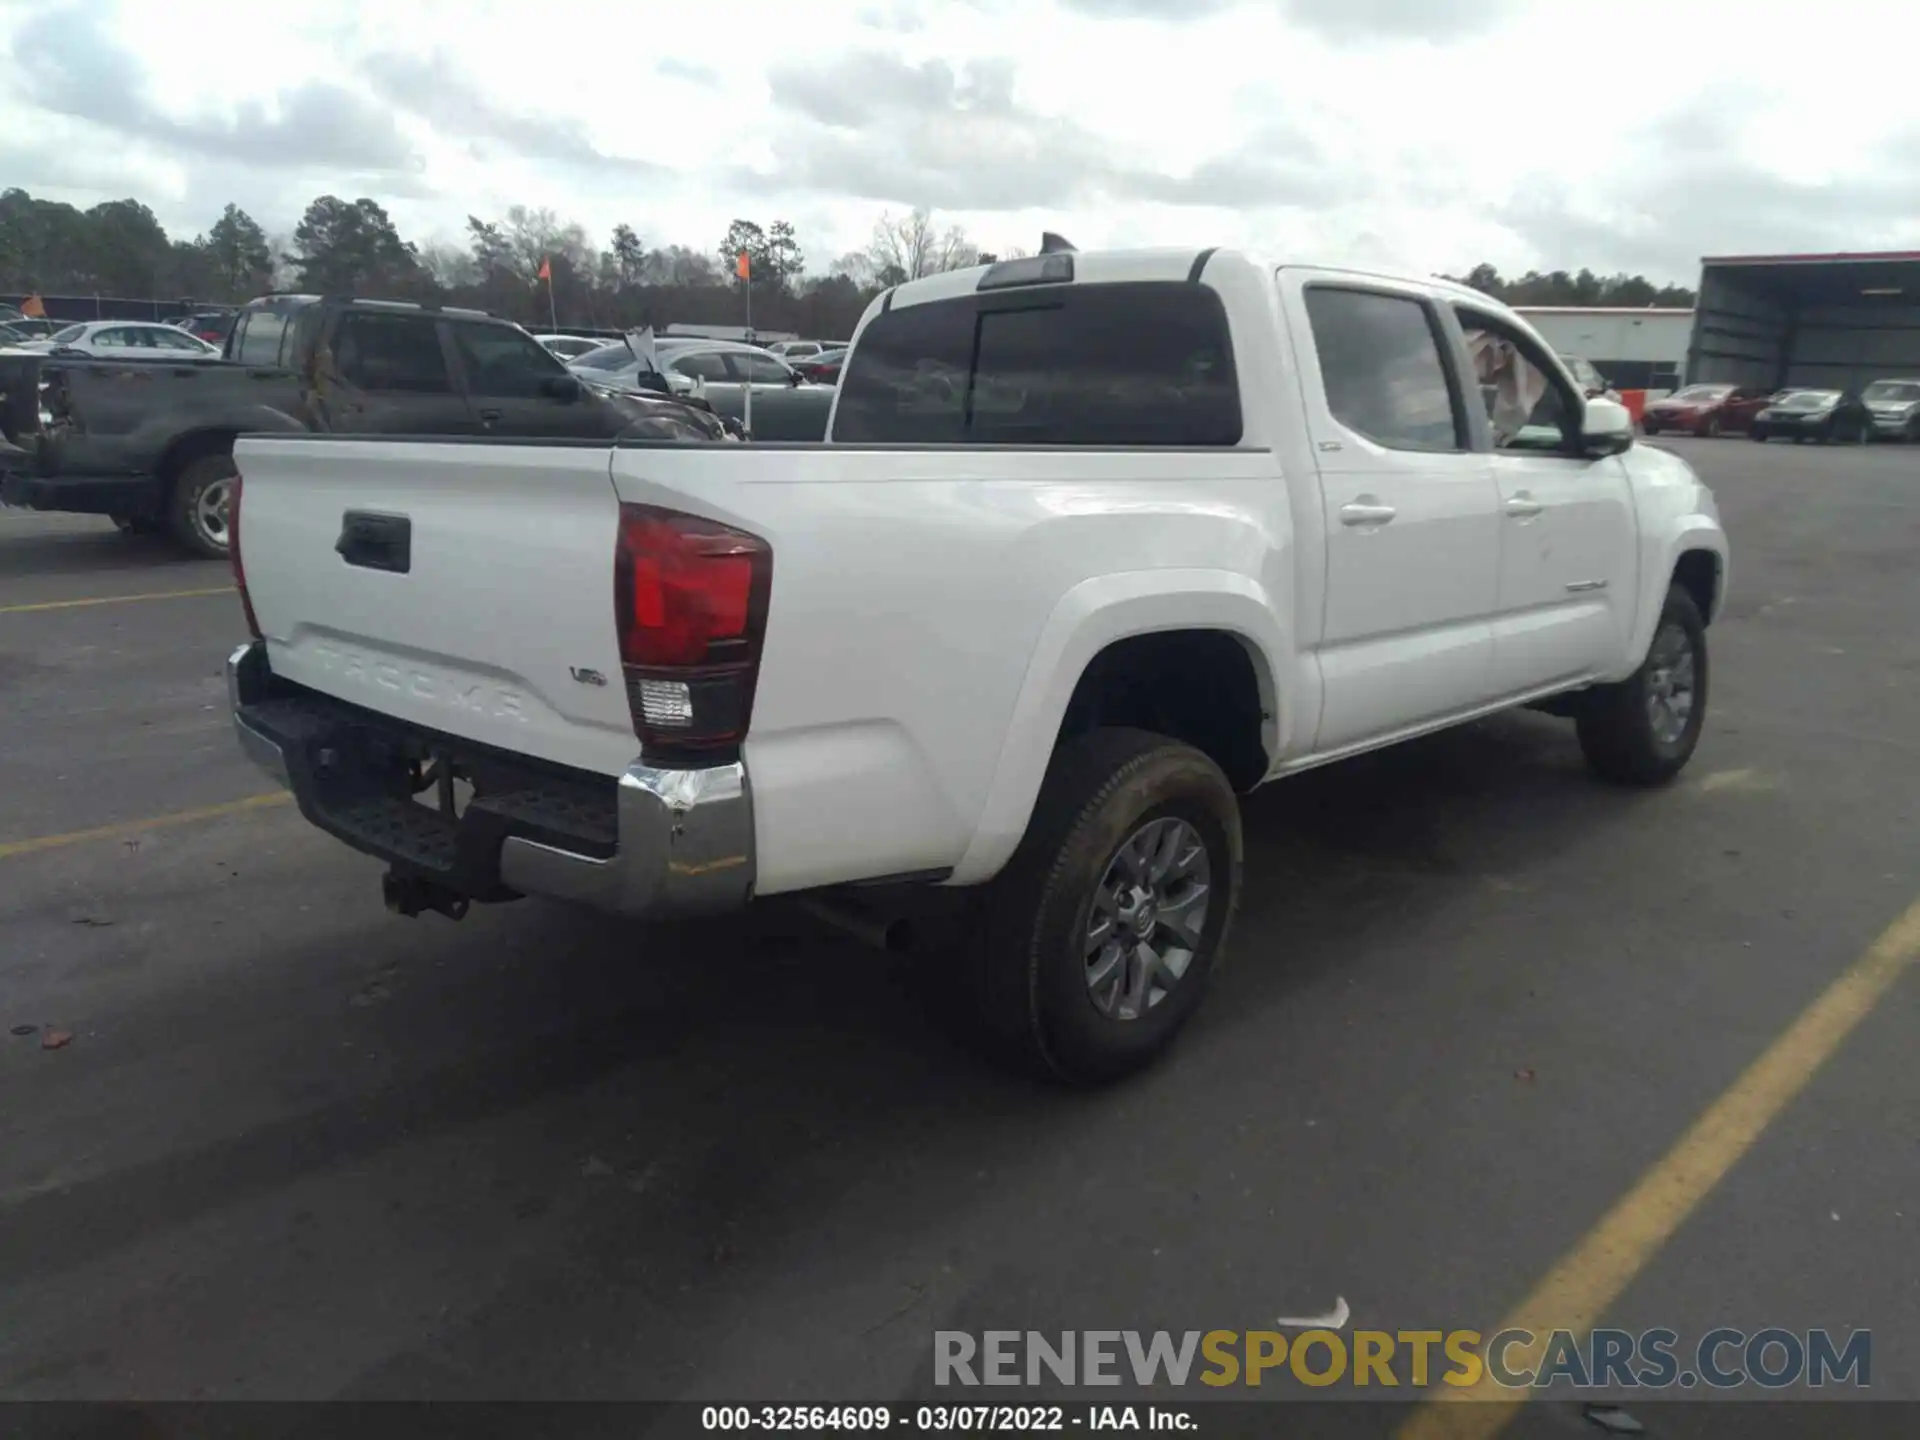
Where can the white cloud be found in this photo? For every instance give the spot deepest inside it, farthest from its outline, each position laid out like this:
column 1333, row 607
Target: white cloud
column 1430, row 132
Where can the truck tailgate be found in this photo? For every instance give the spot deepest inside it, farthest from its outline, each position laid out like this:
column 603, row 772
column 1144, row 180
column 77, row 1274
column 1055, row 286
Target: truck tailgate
column 465, row 588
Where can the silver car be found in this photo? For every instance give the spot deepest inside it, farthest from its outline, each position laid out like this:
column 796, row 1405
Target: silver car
column 716, row 368
column 126, row 340
column 1894, row 406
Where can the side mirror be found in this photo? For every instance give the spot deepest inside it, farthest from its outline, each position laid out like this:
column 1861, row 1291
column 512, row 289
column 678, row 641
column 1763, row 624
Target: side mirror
column 564, row 388
column 1606, row 428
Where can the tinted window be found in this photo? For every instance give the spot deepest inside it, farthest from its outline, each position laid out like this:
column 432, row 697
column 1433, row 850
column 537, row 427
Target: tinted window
column 261, row 344
column 708, row 365
column 503, row 363
column 762, row 369
column 1147, row 363
column 398, row 353
column 116, row 338
column 1380, row 364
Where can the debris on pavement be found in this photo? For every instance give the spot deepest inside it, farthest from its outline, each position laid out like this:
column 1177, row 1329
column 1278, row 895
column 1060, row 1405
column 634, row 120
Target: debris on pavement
column 25, row 1029
column 1524, row 1073
column 56, row 1039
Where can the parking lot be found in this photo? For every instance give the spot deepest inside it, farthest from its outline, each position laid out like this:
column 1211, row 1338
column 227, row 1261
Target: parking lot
column 297, row 1147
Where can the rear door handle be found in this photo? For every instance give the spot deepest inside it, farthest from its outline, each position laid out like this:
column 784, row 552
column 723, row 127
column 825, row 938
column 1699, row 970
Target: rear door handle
column 373, row 541
column 1366, row 510
column 487, row 417
column 1522, row 506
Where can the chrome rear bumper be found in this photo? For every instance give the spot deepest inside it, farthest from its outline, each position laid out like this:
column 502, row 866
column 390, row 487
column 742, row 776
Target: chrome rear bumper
column 656, row 841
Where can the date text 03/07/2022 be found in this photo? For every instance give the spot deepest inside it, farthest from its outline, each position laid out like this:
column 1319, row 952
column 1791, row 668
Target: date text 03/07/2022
column 963, row 1419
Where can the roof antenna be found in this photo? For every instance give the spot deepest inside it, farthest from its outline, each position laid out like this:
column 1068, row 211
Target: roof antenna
column 1052, row 244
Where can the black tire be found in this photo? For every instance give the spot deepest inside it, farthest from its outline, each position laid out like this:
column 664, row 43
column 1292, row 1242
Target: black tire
column 1713, row 427
column 1025, row 964
column 136, row 524
column 1757, row 435
column 1616, row 724
column 188, row 518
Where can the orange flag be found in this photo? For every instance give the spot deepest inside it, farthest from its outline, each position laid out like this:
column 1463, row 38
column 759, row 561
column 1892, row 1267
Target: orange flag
column 741, row 267
column 546, row 268
column 33, row 309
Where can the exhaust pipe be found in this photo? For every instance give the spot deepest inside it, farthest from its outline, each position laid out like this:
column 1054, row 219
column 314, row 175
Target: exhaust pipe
column 411, row 896
column 884, row 932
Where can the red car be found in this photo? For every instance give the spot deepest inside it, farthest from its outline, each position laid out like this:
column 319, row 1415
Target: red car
column 824, row 368
column 1705, row 410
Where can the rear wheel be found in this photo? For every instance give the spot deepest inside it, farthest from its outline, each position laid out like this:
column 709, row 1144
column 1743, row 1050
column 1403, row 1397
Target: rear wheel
column 1713, row 427
column 1643, row 730
column 198, row 513
column 1095, row 943
column 1757, row 435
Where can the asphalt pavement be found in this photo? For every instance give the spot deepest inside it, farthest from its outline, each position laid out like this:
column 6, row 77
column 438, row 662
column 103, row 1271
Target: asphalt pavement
column 298, row 1148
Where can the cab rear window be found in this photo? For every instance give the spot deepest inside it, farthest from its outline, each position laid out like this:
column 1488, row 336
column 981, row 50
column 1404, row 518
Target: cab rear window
column 1138, row 364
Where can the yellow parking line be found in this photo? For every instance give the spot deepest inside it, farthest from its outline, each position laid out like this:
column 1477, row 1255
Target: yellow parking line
column 11, row 848
column 1577, row 1291
column 114, row 600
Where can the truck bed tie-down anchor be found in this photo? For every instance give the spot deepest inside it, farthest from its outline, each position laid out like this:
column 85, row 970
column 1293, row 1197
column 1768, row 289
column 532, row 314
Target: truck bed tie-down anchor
column 411, row 896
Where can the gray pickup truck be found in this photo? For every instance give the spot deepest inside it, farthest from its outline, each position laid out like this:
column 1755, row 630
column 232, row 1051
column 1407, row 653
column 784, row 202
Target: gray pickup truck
column 150, row 443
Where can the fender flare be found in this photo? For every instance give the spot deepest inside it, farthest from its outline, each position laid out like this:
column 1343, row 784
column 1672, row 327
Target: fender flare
column 1088, row 618
column 256, row 419
column 1690, row 532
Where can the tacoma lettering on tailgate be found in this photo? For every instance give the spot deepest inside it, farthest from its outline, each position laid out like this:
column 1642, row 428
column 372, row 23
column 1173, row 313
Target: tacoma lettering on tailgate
column 474, row 697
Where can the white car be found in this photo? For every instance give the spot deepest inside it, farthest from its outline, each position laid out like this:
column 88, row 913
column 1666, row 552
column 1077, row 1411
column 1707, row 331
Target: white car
column 795, row 349
column 1097, row 543
column 126, row 340
column 569, row 347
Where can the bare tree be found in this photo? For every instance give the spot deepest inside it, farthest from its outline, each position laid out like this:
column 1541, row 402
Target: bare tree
column 910, row 246
column 449, row 265
column 536, row 235
column 278, row 244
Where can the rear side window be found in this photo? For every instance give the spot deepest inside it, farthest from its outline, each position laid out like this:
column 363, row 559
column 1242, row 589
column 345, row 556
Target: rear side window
column 1381, row 368
column 708, row 365
column 1137, row 364
column 260, row 345
column 393, row 353
column 762, row 369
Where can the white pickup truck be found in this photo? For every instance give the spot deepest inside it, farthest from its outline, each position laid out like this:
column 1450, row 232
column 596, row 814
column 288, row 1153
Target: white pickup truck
column 1098, row 542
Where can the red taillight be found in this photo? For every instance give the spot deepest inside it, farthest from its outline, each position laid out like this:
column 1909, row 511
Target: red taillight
column 690, row 607
column 233, row 554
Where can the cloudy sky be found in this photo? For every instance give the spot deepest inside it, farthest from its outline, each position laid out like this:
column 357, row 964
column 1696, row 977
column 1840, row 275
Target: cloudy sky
column 1614, row 134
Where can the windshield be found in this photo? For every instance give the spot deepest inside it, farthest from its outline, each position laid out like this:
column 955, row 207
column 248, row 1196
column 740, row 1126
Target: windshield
column 68, row 335
column 1900, row 390
column 1704, row 392
column 607, row 357
column 1810, row 400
